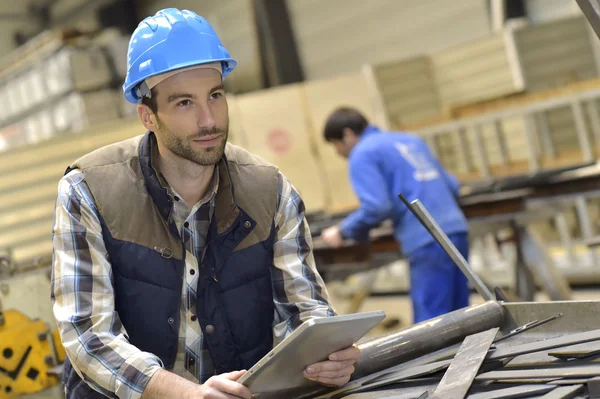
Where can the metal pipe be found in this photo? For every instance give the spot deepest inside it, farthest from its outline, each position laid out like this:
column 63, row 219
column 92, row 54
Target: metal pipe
column 435, row 230
column 427, row 337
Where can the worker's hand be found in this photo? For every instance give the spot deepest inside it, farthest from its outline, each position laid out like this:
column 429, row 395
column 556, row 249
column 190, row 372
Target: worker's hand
column 337, row 370
column 224, row 386
column 332, row 236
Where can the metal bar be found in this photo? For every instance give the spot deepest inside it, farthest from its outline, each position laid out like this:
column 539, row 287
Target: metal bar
column 583, row 217
column 463, row 148
column 590, row 9
column 552, row 343
column 434, row 229
column 573, row 354
column 565, row 236
column 582, row 135
column 542, row 265
column 569, row 381
column 530, row 131
column 501, row 141
column 464, row 367
column 527, row 327
column 542, row 125
column 516, row 111
column 592, row 111
column 480, row 151
column 514, row 392
column 404, row 375
column 592, row 370
column 567, row 392
column 593, row 386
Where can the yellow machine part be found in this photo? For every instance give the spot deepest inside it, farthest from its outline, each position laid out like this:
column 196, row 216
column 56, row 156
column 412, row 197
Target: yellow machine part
column 27, row 352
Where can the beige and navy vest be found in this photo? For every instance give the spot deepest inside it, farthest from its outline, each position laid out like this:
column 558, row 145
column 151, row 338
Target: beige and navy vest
column 147, row 255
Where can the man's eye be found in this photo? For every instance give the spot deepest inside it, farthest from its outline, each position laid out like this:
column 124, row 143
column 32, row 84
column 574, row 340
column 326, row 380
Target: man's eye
column 217, row 95
column 184, row 103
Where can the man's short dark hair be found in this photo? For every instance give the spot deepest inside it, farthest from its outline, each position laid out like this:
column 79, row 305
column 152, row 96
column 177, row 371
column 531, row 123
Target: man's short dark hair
column 151, row 101
column 341, row 118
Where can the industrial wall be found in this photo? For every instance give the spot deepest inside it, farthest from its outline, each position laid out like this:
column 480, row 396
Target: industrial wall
column 334, row 38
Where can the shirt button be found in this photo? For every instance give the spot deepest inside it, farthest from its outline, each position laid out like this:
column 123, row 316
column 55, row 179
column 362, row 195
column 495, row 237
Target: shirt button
column 247, row 224
column 194, row 318
column 176, row 198
column 192, row 272
column 186, row 225
column 191, row 361
column 210, row 329
column 171, row 320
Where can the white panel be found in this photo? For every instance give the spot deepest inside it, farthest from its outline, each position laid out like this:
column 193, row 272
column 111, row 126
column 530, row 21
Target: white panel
column 546, row 10
column 474, row 71
column 338, row 36
column 233, row 20
column 556, row 53
column 409, row 91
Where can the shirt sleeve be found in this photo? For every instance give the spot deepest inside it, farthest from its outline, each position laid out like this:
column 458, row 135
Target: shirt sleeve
column 83, row 299
column 299, row 291
column 371, row 188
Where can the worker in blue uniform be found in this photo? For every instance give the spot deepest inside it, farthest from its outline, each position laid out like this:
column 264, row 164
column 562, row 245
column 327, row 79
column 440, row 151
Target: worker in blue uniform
column 381, row 166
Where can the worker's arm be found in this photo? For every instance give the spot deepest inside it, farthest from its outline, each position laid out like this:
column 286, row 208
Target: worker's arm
column 372, row 190
column 298, row 289
column 83, row 300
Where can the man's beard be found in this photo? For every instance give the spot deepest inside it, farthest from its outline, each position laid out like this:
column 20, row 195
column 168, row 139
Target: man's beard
column 182, row 147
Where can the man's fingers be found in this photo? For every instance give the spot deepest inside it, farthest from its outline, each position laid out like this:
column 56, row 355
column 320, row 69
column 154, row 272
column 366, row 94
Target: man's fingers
column 347, row 371
column 351, row 353
column 328, row 366
column 234, row 375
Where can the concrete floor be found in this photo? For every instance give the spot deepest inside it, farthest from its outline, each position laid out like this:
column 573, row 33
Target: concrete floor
column 394, row 306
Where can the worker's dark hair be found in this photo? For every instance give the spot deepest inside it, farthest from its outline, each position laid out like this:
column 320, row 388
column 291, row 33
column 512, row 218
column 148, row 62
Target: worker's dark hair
column 150, row 102
column 344, row 117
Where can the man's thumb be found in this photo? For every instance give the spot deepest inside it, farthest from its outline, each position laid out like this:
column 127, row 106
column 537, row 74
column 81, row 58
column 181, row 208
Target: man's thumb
column 235, row 375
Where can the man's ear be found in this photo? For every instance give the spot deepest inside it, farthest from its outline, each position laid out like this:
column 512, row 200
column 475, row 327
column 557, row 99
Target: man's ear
column 348, row 133
column 147, row 117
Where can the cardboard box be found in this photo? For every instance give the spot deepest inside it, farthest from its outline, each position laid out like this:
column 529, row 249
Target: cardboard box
column 277, row 128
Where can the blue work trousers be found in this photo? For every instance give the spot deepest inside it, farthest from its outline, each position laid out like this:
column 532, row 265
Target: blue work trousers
column 438, row 286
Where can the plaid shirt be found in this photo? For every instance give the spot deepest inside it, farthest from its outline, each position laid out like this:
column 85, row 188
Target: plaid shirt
column 82, row 288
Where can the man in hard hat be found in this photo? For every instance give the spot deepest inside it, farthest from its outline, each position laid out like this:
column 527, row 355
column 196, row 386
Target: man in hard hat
column 180, row 260
column 381, row 166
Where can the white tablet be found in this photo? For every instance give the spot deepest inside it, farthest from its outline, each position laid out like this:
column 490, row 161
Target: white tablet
column 312, row 342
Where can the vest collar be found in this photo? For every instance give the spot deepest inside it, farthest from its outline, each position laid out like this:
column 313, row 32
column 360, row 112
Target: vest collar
column 226, row 210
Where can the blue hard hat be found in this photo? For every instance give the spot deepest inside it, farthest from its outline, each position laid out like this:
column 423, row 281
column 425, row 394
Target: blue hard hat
column 169, row 40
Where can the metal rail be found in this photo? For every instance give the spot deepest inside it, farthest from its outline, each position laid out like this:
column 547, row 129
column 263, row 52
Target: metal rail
column 581, row 105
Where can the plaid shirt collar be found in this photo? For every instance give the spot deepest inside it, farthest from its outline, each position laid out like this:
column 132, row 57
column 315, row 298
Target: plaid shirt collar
column 226, row 210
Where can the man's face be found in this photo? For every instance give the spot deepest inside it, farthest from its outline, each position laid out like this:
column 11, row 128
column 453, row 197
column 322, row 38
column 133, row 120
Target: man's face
column 341, row 148
column 192, row 115
column 349, row 140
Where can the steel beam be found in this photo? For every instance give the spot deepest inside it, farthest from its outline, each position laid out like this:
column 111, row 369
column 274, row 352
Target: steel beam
column 513, row 392
column 465, row 365
column 565, row 392
column 571, row 339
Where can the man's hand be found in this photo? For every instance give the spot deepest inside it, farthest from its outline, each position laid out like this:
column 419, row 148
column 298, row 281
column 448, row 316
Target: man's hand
column 166, row 385
column 332, row 236
column 223, row 386
column 337, row 370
